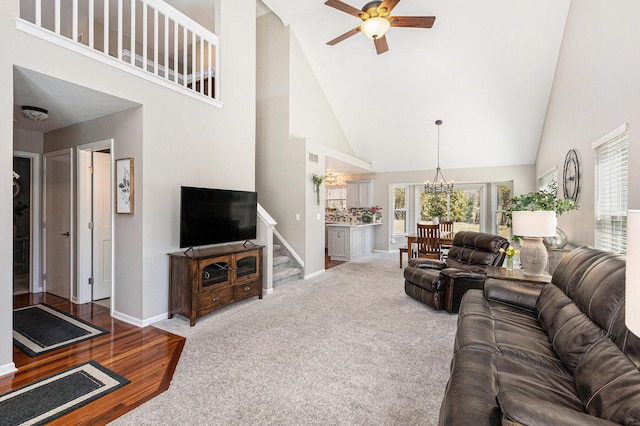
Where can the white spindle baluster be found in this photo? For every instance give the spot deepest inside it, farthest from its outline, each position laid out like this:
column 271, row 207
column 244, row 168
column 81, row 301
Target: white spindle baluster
column 185, row 69
column 106, row 27
column 133, row 32
column 176, row 32
column 209, row 68
column 145, row 46
column 193, row 61
column 166, row 47
column 120, row 29
column 38, row 13
column 217, row 65
column 91, row 22
column 155, row 41
column 74, row 20
column 57, row 17
column 201, row 65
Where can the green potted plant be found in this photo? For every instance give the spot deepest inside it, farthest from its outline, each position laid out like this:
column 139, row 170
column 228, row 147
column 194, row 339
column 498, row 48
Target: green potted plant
column 544, row 200
column 317, row 182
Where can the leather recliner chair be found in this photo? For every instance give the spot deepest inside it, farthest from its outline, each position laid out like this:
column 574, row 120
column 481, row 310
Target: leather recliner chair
column 442, row 284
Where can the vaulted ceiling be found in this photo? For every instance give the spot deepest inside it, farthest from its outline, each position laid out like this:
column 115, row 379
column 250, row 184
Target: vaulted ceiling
column 485, row 68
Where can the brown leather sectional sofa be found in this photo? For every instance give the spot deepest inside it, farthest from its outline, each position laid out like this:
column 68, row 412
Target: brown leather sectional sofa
column 553, row 355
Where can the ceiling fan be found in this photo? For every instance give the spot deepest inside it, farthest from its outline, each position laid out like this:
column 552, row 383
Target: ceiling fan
column 376, row 21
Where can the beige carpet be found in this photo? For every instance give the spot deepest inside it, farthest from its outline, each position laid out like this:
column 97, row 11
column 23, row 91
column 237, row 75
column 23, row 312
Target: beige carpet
column 345, row 348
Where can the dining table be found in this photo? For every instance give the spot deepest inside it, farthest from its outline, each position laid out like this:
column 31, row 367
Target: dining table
column 413, row 239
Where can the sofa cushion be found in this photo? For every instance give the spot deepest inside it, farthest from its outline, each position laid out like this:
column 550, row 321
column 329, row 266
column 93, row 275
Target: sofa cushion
column 569, row 271
column 524, row 405
column 609, row 384
column 474, row 251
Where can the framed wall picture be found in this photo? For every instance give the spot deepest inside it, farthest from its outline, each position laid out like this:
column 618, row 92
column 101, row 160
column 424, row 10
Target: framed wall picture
column 124, row 186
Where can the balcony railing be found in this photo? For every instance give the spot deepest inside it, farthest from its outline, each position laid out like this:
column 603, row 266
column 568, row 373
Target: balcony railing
column 148, row 37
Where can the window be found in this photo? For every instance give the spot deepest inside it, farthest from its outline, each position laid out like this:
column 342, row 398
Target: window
column 336, row 198
column 399, row 209
column 547, row 178
column 611, row 191
column 503, row 197
column 462, row 206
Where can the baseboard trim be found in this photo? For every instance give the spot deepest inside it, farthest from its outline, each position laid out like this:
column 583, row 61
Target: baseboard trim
column 315, row 274
column 8, row 368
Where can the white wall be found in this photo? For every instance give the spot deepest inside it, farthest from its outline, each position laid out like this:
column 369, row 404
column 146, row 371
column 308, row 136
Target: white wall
column 596, row 88
column 27, row 141
column 182, row 142
column 293, row 119
column 125, row 128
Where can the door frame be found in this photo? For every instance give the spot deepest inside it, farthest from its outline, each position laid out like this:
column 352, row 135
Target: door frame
column 46, row 155
column 35, row 246
column 85, row 239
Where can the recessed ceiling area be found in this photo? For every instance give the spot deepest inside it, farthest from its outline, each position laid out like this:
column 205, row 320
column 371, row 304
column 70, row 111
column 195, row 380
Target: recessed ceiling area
column 67, row 103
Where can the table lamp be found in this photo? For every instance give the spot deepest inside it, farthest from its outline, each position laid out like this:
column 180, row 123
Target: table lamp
column 632, row 279
column 531, row 227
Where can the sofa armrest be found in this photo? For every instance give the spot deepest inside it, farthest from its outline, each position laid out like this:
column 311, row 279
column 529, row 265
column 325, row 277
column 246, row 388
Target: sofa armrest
column 461, row 274
column 521, row 294
column 424, row 263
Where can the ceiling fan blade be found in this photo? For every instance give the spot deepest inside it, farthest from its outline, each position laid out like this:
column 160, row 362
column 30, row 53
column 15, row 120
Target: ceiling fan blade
column 412, row 21
column 344, row 36
column 346, row 8
column 381, row 44
column 387, row 6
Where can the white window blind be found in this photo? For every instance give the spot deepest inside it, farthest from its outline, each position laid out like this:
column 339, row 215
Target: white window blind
column 611, row 194
column 545, row 181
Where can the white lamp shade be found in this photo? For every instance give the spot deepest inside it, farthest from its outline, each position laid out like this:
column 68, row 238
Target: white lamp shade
column 632, row 279
column 534, row 223
column 375, row 27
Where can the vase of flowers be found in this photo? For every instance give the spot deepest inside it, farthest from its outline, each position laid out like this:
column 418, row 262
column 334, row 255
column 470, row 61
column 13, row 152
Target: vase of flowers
column 509, row 253
column 317, row 181
column 375, row 210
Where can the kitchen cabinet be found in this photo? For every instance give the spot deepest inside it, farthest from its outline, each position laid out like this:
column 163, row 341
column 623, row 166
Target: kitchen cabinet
column 350, row 241
column 359, row 193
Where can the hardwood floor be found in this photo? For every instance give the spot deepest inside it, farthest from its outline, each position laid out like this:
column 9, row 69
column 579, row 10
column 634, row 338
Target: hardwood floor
column 146, row 356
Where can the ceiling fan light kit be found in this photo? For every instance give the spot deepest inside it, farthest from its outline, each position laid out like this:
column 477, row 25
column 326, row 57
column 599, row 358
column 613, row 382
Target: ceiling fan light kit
column 376, row 21
column 375, row 27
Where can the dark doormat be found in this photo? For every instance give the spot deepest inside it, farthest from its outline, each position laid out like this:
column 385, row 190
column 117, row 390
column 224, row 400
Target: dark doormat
column 42, row 328
column 49, row 398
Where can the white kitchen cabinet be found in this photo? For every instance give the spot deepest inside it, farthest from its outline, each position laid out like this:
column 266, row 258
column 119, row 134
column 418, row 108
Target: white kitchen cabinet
column 339, row 243
column 360, row 193
column 357, row 242
column 346, row 242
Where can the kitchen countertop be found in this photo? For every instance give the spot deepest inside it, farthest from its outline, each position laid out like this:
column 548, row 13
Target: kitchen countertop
column 352, row 224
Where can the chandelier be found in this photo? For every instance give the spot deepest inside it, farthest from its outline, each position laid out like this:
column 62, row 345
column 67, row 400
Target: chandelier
column 331, row 178
column 439, row 183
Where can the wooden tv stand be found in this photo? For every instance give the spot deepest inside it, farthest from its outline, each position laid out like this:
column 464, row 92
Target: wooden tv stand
column 208, row 279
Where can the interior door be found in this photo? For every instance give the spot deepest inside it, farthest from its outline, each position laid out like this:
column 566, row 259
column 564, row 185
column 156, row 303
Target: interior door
column 58, row 223
column 101, row 226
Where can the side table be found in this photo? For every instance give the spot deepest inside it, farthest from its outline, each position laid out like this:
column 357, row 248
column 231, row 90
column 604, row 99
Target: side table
column 517, row 275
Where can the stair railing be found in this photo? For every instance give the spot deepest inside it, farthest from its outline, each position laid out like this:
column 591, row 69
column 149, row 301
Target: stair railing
column 149, row 35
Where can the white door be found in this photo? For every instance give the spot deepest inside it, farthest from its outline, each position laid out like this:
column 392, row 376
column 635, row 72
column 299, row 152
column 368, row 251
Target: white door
column 101, row 226
column 58, row 223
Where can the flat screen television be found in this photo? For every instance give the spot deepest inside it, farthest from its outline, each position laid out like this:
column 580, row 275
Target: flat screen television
column 213, row 216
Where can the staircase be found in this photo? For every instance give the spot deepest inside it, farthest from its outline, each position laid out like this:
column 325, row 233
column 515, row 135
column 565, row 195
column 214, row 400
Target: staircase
column 285, row 267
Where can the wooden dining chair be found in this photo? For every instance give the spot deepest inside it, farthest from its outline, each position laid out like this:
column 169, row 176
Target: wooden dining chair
column 428, row 241
column 446, row 237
